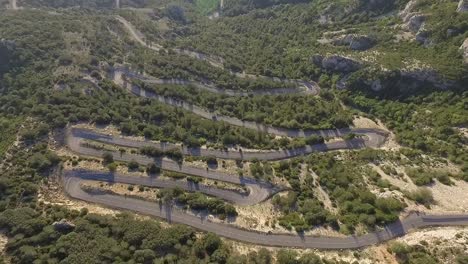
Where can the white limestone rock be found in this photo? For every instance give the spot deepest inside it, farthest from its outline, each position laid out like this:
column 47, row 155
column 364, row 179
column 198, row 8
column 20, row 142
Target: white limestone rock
column 462, row 6
column 63, row 225
column 337, row 63
column 464, row 49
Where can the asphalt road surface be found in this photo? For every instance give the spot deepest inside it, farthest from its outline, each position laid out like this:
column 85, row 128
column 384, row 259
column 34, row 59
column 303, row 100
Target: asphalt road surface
column 371, row 138
column 201, row 222
column 256, row 192
column 206, row 85
column 375, row 137
column 215, row 61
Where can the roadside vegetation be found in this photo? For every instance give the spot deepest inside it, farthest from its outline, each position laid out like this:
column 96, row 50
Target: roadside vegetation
column 294, row 111
column 45, row 56
column 198, row 202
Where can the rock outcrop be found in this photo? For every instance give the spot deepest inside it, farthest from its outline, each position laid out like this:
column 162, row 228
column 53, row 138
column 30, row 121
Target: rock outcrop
column 63, row 226
column 464, row 49
column 462, row 6
column 415, row 23
column 355, row 42
column 423, row 36
column 406, row 13
column 336, row 63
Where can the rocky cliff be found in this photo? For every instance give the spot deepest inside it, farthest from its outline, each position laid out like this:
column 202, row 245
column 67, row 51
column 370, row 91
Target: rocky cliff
column 464, row 49
column 462, row 6
column 415, row 22
column 336, row 63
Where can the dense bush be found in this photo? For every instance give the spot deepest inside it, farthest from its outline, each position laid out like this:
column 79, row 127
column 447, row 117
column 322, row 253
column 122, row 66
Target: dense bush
column 422, row 196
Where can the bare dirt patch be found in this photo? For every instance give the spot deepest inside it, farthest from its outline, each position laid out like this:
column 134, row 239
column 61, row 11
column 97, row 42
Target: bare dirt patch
column 444, row 243
column 365, row 256
column 403, row 182
column 262, row 216
column 463, row 131
column 321, row 194
column 3, row 242
column 124, row 189
column 450, row 198
column 52, row 194
column 454, row 234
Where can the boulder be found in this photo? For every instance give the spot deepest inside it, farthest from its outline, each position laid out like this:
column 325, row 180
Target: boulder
column 355, row 42
column 406, row 13
column 464, row 49
column 415, row 22
column 376, row 86
column 63, row 226
column 462, row 6
column 423, row 37
column 340, row 64
column 317, row 60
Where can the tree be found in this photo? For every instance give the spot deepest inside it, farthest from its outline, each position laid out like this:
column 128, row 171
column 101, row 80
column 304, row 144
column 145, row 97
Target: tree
column 133, row 165
column 211, row 242
column 310, row 258
column 423, row 196
column 263, row 256
column 28, row 254
column 144, row 256
column 107, row 158
column 287, row 257
column 152, row 169
column 176, row 13
column 462, row 259
column 399, row 249
column 211, row 161
column 220, row 255
column 112, row 167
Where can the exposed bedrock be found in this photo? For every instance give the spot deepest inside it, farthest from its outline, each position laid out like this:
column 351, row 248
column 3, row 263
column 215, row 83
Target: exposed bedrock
column 336, row 63
column 355, row 41
column 464, row 49
column 462, row 6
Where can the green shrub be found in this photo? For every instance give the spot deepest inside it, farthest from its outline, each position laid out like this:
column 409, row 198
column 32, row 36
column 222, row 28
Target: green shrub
column 422, row 196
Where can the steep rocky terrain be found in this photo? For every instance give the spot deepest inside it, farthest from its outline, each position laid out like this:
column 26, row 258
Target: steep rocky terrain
column 464, row 49
column 462, row 6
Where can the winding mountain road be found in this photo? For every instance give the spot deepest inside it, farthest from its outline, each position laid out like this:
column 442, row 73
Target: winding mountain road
column 375, row 137
column 258, row 190
column 210, row 87
column 215, row 61
column 256, row 193
column 171, row 214
column 371, row 139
